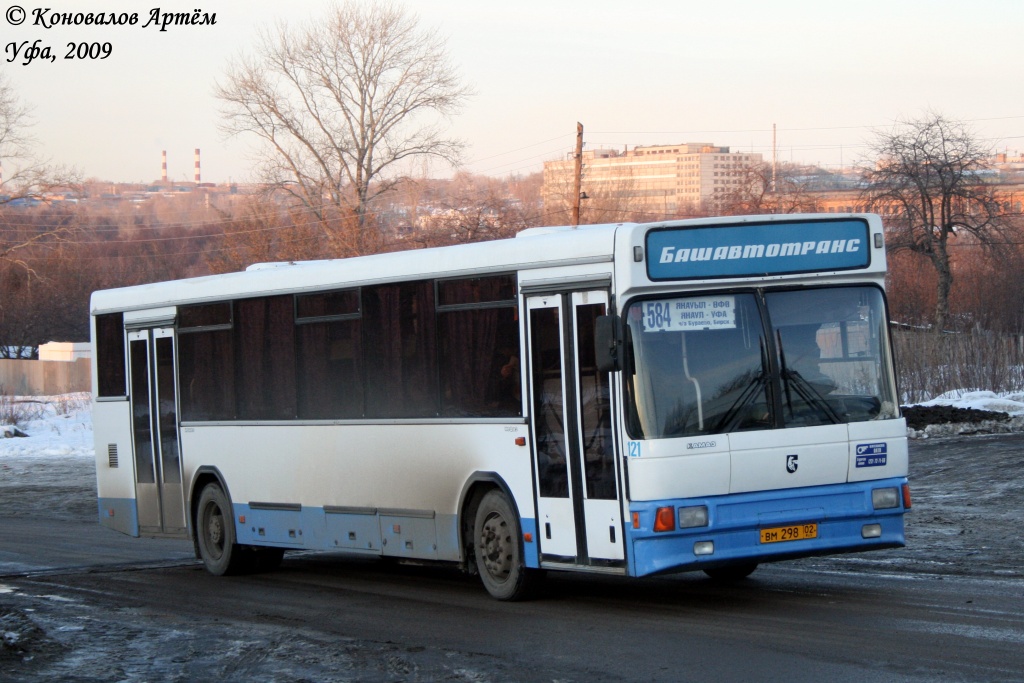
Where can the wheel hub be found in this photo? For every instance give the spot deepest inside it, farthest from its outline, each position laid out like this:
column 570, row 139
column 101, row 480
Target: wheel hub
column 215, row 529
column 496, row 542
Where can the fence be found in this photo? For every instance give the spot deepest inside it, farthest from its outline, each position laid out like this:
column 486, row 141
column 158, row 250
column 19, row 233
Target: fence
column 930, row 364
column 44, row 378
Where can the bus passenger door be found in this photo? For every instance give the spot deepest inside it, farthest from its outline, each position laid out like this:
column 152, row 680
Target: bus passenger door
column 597, row 463
column 158, row 490
column 578, row 510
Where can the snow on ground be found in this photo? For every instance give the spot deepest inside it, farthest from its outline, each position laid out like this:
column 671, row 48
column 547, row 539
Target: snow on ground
column 53, row 426
column 1011, row 403
column 962, row 413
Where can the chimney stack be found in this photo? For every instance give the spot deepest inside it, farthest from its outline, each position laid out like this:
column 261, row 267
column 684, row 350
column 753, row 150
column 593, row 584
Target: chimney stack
column 197, row 165
column 163, row 169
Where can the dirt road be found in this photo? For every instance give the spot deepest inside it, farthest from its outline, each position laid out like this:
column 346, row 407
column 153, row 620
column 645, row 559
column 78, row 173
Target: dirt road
column 81, row 603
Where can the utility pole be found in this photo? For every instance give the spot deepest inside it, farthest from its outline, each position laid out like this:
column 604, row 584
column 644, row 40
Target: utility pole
column 577, row 176
column 775, row 158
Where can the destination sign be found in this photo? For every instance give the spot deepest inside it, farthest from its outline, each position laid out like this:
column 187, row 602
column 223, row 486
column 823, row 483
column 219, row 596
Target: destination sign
column 691, row 313
column 759, row 249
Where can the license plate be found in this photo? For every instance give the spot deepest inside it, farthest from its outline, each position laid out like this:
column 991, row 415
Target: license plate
column 794, row 532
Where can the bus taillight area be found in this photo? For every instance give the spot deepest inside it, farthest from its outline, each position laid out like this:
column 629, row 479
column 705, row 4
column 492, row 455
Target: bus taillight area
column 669, row 536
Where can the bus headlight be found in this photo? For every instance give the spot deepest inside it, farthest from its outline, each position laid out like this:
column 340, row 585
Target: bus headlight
column 693, row 516
column 883, row 499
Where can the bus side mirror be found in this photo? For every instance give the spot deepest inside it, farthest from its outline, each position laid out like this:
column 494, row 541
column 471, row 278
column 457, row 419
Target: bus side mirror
column 608, row 343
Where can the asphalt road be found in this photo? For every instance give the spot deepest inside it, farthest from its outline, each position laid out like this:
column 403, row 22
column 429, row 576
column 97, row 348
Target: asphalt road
column 81, row 603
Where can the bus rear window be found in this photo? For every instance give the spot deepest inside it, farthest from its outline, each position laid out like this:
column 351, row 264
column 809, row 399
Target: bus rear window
column 110, row 355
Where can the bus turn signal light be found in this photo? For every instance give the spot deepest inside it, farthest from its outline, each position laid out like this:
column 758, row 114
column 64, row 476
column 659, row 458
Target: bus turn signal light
column 906, row 496
column 665, row 519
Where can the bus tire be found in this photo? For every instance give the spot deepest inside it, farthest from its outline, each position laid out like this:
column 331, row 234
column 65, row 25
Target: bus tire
column 732, row 572
column 215, row 533
column 497, row 543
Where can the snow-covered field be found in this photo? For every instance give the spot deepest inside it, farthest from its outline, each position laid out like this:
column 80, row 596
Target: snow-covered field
column 52, row 426
column 957, row 413
column 1011, row 402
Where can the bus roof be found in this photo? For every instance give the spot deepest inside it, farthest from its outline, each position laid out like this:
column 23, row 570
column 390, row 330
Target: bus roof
column 532, row 248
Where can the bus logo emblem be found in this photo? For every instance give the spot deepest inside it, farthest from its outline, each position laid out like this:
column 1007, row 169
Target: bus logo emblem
column 791, row 463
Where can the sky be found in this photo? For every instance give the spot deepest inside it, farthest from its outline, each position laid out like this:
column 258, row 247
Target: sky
column 828, row 75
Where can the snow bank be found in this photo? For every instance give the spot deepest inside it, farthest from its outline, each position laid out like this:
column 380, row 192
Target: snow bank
column 1011, row 403
column 53, row 426
column 1007, row 402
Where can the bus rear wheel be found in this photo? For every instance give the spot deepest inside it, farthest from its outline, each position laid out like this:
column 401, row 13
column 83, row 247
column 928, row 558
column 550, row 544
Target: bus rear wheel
column 215, row 533
column 499, row 551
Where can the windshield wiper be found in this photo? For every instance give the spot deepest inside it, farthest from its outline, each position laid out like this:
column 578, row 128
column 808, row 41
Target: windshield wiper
column 792, row 379
column 806, row 391
column 732, row 416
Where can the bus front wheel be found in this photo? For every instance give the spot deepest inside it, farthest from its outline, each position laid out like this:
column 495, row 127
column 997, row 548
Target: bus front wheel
column 499, row 552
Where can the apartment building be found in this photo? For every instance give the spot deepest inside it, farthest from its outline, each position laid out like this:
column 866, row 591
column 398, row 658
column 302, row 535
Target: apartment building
column 663, row 180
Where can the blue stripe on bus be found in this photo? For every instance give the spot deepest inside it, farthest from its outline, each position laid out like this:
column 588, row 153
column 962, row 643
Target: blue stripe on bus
column 840, row 512
column 531, row 549
column 119, row 514
column 313, row 529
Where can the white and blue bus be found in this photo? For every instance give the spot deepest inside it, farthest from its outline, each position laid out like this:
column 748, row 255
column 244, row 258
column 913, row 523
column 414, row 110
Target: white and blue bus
column 626, row 399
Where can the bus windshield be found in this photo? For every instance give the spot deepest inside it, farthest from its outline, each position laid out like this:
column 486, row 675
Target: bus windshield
column 757, row 359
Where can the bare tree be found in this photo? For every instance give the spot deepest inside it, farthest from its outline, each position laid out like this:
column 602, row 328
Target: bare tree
column 760, row 189
column 473, row 209
column 45, row 288
column 25, row 178
column 259, row 232
column 340, row 105
column 15, row 143
column 928, row 181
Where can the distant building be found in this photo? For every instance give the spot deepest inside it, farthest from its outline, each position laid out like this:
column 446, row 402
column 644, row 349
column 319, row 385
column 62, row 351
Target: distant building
column 1009, row 195
column 65, row 351
column 663, row 180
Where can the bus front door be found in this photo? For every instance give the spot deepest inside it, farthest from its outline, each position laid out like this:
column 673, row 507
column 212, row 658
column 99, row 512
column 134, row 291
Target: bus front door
column 579, row 519
column 158, row 490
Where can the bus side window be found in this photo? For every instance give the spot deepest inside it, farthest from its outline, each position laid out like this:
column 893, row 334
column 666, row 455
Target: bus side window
column 330, row 369
column 206, row 373
column 479, row 356
column 400, row 354
column 265, row 343
column 478, row 347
